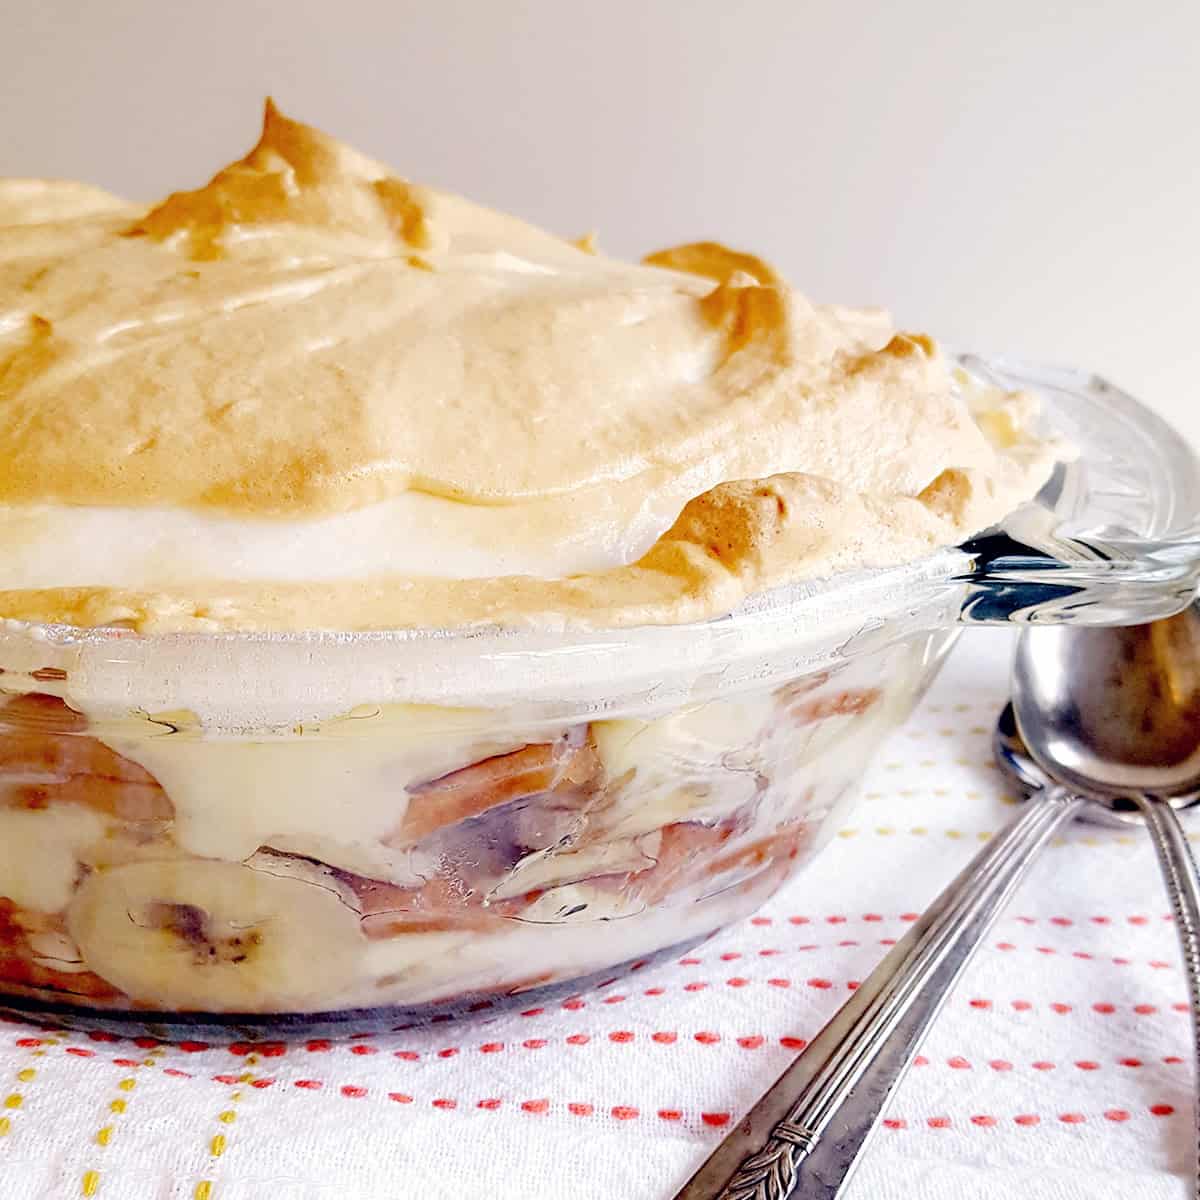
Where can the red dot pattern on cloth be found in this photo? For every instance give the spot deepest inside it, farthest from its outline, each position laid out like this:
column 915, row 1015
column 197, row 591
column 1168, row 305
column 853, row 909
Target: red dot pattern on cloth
column 623, row 1036
column 659, row 1037
column 980, row 1004
column 629, row 1113
column 744, row 1042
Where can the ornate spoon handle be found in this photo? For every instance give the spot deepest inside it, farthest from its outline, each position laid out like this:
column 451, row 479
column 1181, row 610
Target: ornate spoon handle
column 1183, row 886
column 828, row 1101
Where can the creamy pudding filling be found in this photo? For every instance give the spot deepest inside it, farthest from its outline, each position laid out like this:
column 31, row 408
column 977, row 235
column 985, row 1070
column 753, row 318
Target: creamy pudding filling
column 620, row 835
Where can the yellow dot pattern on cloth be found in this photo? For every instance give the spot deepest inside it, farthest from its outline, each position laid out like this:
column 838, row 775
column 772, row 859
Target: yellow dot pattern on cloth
column 984, row 835
column 14, row 1100
column 906, row 799
column 89, row 1183
column 218, row 1143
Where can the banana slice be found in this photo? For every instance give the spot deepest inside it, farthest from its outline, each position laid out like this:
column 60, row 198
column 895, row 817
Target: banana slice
column 56, row 952
column 554, row 866
column 40, row 852
column 581, row 903
column 217, row 936
column 120, row 843
column 697, row 764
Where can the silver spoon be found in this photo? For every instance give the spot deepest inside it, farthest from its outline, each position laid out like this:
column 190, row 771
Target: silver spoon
column 1115, row 714
column 806, row 1133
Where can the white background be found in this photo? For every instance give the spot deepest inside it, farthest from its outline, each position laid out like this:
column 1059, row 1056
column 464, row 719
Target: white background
column 1021, row 176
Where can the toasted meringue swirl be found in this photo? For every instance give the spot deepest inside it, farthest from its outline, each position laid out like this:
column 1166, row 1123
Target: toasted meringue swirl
column 311, row 394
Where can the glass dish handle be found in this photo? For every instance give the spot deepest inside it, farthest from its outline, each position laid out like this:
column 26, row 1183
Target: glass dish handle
column 1109, row 579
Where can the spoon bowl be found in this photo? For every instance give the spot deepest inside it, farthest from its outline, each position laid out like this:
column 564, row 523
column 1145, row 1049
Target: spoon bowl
column 1014, row 759
column 1114, row 712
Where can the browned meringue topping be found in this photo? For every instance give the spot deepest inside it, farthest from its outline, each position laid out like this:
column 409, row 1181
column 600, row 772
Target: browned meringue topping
column 308, row 337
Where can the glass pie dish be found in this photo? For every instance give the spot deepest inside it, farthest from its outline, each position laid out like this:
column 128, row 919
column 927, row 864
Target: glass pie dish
column 254, row 835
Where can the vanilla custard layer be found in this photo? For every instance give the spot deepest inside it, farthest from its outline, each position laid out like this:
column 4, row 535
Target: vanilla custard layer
column 313, row 395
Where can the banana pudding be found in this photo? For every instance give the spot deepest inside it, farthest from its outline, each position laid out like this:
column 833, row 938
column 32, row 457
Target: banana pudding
column 314, row 409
